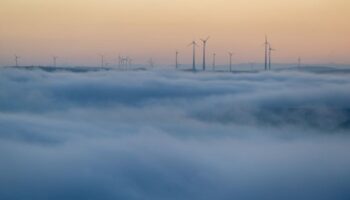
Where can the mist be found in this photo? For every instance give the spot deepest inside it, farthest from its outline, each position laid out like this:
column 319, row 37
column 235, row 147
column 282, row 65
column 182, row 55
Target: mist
column 164, row 134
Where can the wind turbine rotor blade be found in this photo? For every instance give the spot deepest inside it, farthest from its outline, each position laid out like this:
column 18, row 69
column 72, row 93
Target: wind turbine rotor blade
column 205, row 40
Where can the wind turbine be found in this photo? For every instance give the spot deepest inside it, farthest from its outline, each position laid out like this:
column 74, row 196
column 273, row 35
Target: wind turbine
column 119, row 61
column 125, row 62
column 193, row 44
column 204, row 48
column 230, row 54
column 54, row 58
column 151, row 62
column 102, row 60
column 270, row 53
column 266, row 51
column 176, row 59
column 299, row 62
column 214, row 61
column 16, row 60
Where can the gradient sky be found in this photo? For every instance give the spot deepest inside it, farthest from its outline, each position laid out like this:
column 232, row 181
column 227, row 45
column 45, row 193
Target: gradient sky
column 78, row 30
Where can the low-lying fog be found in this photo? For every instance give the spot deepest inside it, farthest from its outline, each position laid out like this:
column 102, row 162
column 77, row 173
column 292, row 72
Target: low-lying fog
column 174, row 135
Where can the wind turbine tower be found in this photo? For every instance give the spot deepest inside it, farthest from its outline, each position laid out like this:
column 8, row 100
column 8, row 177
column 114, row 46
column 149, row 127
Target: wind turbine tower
column 176, row 60
column 270, row 55
column 214, row 61
column 194, row 45
column 54, row 61
column 230, row 54
column 266, row 51
column 299, row 62
column 151, row 62
column 124, row 62
column 119, row 61
column 102, row 60
column 16, row 60
column 204, row 51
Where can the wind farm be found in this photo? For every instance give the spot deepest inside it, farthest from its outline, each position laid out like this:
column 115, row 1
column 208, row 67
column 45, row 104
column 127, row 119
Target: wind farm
column 124, row 63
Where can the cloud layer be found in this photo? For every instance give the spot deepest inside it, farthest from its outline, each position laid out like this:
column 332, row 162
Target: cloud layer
column 174, row 135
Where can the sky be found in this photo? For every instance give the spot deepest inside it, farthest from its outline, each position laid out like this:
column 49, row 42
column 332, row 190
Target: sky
column 179, row 135
column 78, row 30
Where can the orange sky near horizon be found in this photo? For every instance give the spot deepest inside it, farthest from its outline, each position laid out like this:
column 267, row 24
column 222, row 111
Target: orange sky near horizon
column 78, row 30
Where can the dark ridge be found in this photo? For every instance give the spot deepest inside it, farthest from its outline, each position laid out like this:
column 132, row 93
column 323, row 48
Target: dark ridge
column 77, row 69
column 317, row 69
